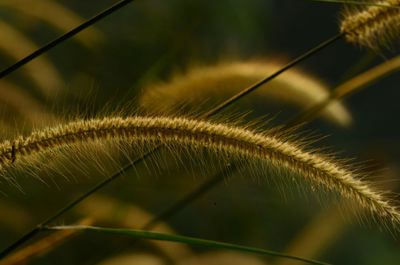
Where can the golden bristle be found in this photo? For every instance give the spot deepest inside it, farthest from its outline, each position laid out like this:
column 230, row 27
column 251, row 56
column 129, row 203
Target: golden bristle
column 372, row 26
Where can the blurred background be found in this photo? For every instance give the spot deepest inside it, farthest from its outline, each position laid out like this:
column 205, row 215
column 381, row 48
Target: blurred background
column 107, row 67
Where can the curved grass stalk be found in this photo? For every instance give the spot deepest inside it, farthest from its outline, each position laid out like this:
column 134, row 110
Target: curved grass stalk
column 181, row 239
column 277, row 154
column 210, row 84
column 42, row 72
column 372, row 26
column 120, row 172
column 347, row 88
column 55, row 15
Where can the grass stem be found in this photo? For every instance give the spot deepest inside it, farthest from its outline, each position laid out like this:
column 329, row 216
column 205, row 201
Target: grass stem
column 64, row 37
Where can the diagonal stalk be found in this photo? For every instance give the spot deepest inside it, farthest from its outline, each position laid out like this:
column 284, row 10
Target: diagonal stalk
column 64, row 37
column 210, row 113
column 190, row 197
column 340, row 92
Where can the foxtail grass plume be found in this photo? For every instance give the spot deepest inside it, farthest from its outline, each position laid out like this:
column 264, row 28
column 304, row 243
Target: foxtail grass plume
column 373, row 25
column 212, row 84
column 274, row 154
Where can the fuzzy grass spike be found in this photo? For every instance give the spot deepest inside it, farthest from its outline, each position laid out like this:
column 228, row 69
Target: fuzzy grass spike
column 209, row 84
column 372, row 26
column 225, row 140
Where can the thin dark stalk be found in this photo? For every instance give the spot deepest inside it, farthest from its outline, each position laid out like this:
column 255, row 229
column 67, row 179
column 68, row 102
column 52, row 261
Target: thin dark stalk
column 70, row 205
column 190, row 197
column 64, row 37
column 180, row 239
column 311, row 113
column 294, row 62
column 213, row 111
column 213, row 181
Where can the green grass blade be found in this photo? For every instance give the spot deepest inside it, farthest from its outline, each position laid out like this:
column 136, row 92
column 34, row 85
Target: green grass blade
column 182, row 239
